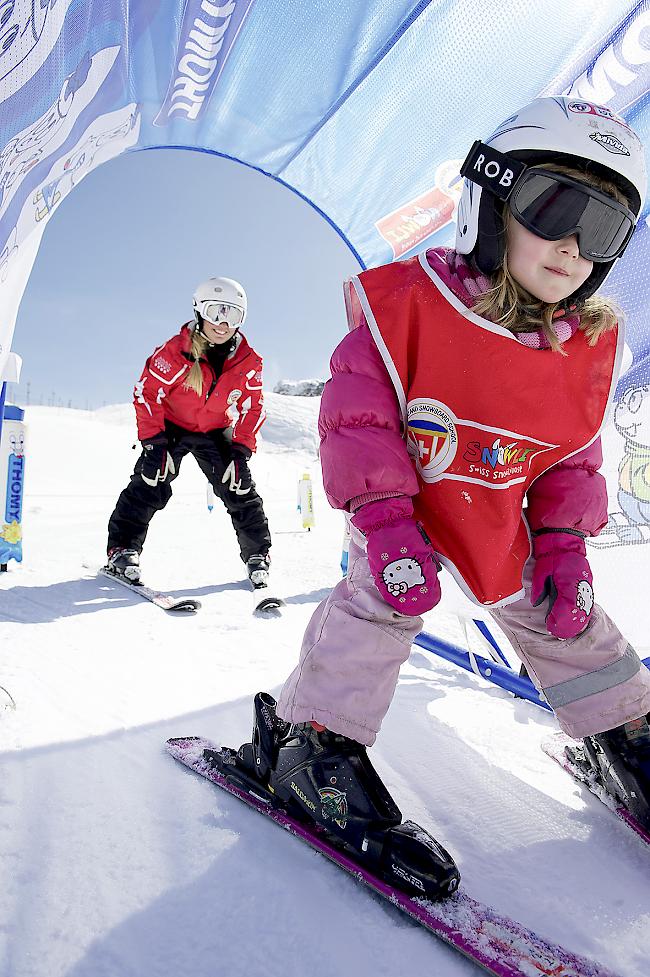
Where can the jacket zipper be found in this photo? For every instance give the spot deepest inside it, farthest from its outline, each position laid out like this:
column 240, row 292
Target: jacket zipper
column 214, row 381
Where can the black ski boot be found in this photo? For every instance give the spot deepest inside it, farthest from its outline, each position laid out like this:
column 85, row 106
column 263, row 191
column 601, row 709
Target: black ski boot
column 257, row 567
column 620, row 758
column 327, row 779
column 124, row 562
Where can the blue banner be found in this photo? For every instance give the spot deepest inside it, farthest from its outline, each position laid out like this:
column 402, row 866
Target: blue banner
column 365, row 110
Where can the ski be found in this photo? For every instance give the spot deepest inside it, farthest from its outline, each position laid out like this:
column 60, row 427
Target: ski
column 498, row 944
column 265, row 603
column 166, row 601
column 571, row 757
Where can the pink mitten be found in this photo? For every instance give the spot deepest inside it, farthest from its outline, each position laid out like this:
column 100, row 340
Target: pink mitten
column 400, row 555
column 563, row 575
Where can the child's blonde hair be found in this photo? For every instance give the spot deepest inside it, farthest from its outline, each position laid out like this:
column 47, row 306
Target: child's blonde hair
column 194, row 379
column 510, row 305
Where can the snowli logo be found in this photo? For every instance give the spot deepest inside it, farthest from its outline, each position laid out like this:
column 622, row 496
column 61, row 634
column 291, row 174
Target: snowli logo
column 432, row 437
column 610, row 143
column 507, row 463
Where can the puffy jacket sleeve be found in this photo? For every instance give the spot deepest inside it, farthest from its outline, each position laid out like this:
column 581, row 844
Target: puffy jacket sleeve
column 571, row 495
column 250, row 406
column 162, row 371
column 363, row 452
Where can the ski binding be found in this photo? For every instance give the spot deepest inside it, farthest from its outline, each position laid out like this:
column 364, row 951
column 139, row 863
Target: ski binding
column 570, row 755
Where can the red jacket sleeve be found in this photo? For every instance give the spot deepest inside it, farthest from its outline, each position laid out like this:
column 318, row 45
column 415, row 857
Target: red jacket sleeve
column 250, row 407
column 363, row 452
column 162, row 371
column 571, row 495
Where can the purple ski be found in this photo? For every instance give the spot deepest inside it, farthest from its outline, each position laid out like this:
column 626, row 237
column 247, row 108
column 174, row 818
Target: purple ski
column 500, row 945
column 556, row 747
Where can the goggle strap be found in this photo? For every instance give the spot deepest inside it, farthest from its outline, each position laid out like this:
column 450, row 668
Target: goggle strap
column 492, row 170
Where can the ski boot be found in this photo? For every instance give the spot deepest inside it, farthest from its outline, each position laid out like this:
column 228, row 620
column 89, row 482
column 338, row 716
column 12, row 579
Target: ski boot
column 620, row 759
column 327, row 780
column 124, row 562
column 257, row 567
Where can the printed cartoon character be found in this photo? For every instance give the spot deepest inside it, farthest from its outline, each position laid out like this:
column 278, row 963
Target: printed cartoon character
column 17, row 444
column 46, row 199
column 400, row 575
column 11, row 542
column 25, row 150
column 78, row 163
column 632, row 523
column 585, row 598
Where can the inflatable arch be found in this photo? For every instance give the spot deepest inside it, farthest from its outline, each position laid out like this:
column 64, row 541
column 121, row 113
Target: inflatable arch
column 363, row 108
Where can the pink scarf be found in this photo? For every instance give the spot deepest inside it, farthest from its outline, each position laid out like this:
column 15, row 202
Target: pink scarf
column 467, row 284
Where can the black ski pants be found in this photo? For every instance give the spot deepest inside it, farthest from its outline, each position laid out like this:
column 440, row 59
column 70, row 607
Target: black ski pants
column 139, row 501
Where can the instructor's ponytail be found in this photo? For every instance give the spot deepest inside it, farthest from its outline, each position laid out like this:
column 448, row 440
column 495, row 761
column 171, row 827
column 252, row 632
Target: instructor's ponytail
column 194, row 379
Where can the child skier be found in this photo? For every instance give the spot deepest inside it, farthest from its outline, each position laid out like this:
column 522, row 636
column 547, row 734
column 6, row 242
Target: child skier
column 474, row 383
column 200, row 393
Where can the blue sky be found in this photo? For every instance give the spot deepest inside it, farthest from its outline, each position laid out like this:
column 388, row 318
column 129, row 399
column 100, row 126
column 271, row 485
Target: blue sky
column 121, row 256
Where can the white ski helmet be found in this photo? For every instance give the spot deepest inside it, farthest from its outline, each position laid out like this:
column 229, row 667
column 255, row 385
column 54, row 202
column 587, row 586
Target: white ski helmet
column 215, row 292
column 562, row 130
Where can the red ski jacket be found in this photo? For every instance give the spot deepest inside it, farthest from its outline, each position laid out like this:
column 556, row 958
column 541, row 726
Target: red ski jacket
column 233, row 400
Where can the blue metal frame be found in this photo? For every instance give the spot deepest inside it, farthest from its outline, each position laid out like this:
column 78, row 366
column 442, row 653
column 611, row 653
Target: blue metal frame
column 491, row 640
column 504, row 677
column 499, row 675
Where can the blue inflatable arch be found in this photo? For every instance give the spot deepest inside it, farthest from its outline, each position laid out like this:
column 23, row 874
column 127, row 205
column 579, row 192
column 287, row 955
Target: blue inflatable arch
column 364, row 109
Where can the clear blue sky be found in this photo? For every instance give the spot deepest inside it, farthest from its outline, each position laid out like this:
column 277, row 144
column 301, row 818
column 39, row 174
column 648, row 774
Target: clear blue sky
column 122, row 254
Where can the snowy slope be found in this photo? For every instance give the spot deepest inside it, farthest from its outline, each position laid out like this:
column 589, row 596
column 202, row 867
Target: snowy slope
column 119, row 863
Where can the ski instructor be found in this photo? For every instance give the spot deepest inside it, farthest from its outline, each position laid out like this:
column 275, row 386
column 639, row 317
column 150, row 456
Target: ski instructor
column 200, row 393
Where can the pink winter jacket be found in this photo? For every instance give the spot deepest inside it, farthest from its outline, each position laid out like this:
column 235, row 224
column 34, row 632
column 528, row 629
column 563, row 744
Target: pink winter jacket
column 364, row 455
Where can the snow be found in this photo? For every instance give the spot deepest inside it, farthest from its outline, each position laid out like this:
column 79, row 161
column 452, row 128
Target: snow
column 118, row 862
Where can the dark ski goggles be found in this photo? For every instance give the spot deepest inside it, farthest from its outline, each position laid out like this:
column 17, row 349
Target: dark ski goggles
column 555, row 206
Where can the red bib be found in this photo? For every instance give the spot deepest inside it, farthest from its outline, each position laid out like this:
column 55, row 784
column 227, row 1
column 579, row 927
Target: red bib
column 484, row 416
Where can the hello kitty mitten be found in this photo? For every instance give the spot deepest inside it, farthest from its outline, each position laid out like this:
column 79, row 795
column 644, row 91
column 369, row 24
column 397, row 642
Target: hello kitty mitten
column 400, row 555
column 563, row 576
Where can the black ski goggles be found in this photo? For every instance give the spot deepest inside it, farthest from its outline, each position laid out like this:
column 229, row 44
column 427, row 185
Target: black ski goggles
column 554, row 206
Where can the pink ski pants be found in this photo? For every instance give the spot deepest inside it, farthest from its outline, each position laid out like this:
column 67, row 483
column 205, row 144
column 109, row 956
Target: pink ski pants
column 355, row 644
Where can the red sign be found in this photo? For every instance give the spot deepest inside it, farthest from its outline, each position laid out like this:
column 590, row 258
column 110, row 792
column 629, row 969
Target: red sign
column 406, row 227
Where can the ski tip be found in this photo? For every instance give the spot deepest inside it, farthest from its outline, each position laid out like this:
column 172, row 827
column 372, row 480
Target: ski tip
column 179, row 740
column 188, row 606
column 182, row 746
column 7, row 701
column 268, row 606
